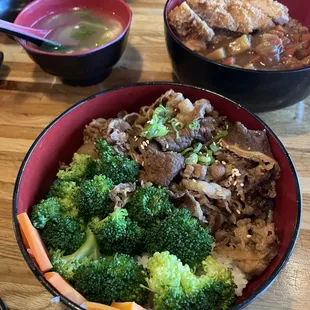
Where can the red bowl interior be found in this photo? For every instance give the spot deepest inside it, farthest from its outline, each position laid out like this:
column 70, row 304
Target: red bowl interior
column 64, row 136
column 297, row 9
column 38, row 9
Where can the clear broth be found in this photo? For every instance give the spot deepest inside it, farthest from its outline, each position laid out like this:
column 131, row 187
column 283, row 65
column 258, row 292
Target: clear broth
column 80, row 29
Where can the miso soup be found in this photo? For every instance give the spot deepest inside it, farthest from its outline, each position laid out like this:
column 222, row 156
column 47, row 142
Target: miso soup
column 80, row 29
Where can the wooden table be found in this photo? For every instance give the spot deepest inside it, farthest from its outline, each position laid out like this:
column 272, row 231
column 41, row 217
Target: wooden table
column 30, row 99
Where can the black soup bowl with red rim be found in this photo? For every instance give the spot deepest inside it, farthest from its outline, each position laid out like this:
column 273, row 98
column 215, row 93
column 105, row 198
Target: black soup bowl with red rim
column 78, row 68
column 260, row 90
column 64, row 136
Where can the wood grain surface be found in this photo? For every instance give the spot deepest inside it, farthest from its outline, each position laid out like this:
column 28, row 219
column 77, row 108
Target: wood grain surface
column 30, row 99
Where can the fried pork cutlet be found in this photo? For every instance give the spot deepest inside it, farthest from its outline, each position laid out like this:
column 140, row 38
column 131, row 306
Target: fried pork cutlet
column 188, row 25
column 273, row 9
column 243, row 16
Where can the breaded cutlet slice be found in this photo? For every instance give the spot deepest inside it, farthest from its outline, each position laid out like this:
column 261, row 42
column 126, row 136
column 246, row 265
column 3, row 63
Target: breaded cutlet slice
column 214, row 13
column 233, row 15
column 275, row 10
column 248, row 18
column 188, row 25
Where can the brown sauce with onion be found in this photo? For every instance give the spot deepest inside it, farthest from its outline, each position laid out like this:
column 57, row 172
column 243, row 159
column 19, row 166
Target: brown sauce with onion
column 279, row 48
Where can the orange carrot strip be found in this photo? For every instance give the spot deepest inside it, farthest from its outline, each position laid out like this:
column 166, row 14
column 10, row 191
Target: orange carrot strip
column 35, row 242
column 280, row 28
column 127, row 306
column 305, row 37
column 290, row 51
column 95, row 306
column 64, row 287
column 229, row 61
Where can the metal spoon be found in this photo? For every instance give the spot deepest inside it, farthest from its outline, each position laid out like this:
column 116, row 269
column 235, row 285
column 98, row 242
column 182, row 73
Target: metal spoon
column 37, row 36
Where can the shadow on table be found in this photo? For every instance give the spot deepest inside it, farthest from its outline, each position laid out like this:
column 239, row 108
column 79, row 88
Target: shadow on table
column 127, row 71
column 4, row 72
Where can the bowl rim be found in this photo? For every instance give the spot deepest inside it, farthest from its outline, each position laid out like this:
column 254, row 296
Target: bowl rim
column 83, row 53
column 39, row 275
column 258, row 71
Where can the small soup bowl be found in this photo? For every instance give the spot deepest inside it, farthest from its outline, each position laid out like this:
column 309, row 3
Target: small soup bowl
column 64, row 136
column 256, row 90
column 78, row 68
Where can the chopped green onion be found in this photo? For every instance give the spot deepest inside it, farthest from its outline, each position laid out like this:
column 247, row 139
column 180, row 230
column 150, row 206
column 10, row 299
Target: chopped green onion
column 163, row 113
column 214, row 147
column 210, row 153
column 220, row 135
column 155, row 127
column 192, row 159
column 194, row 125
column 186, row 150
column 177, row 126
column 197, row 148
column 206, row 160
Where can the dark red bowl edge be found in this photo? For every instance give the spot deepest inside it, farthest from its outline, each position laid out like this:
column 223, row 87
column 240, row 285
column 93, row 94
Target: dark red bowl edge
column 217, row 63
column 23, row 42
column 39, row 275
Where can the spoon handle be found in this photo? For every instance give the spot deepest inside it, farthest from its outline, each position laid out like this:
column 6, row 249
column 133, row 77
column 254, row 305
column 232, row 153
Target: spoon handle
column 26, row 33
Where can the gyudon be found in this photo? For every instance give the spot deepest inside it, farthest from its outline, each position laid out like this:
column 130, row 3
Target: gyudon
column 171, row 208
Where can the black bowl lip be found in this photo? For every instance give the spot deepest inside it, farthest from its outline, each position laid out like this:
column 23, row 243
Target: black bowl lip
column 31, row 49
column 267, row 72
column 260, row 290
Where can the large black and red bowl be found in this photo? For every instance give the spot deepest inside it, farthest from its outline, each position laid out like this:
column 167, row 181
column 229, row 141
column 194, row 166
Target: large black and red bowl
column 256, row 90
column 63, row 137
column 79, row 68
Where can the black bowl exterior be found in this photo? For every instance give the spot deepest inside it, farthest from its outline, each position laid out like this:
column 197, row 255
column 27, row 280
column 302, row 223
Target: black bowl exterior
column 85, row 69
column 1, row 58
column 258, row 91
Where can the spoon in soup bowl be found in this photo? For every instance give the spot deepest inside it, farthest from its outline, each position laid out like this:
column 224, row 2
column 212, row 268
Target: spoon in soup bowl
column 36, row 36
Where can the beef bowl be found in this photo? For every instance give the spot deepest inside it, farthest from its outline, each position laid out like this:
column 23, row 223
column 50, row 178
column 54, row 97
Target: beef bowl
column 258, row 79
column 96, row 33
column 224, row 150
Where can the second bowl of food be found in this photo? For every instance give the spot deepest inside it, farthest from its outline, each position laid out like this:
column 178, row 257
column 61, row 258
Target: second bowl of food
column 94, row 36
column 255, row 52
column 165, row 195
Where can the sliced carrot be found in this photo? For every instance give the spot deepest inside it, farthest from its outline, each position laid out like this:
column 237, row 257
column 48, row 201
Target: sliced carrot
column 25, row 240
column 305, row 37
column 290, row 51
column 280, row 28
column 35, row 242
column 64, row 287
column 256, row 59
column 127, row 306
column 229, row 61
column 95, row 306
column 276, row 32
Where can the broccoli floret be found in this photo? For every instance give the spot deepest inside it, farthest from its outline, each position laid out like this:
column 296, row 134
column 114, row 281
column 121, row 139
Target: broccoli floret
column 215, row 270
column 94, row 197
column 67, row 192
column 63, row 233
column 117, row 278
column 175, row 287
column 117, row 233
column 81, row 167
column 67, row 265
column 119, row 168
column 148, row 205
column 181, row 235
column 44, row 211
